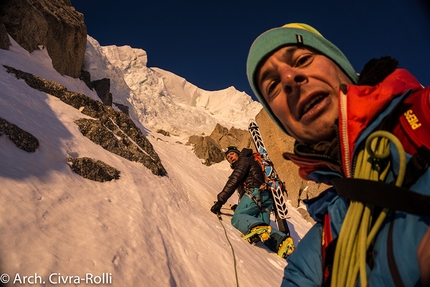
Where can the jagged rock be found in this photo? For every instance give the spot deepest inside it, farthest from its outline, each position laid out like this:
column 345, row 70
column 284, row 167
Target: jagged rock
column 38, row 83
column 232, row 136
column 122, row 108
column 102, row 88
column 53, row 24
column 22, row 139
column 276, row 143
column 210, row 148
column 163, row 132
column 116, row 142
column 85, row 76
column 109, row 121
column 207, row 149
column 93, row 169
column 4, row 38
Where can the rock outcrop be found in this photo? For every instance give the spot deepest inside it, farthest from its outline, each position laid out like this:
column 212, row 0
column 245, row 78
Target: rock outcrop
column 22, row 139
column 126, row 138
column 102, row 88
column 53, row 24
column 210, row 148
column 4, row 38
column 93, row 169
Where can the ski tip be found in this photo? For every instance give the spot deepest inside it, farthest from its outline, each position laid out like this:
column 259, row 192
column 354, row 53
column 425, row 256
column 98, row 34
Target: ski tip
column 252, row 124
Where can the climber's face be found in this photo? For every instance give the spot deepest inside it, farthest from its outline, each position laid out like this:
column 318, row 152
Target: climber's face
column 232, row 157
column 301, row 88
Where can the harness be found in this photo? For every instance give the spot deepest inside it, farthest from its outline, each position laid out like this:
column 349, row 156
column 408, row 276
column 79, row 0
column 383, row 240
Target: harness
column 257, row 199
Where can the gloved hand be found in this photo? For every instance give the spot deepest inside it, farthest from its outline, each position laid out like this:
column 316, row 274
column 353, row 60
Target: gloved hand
column 216, row 208
column 233, row 207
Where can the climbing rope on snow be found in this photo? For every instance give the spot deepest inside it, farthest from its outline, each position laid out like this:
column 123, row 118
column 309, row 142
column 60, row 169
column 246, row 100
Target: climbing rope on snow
column 231, row 247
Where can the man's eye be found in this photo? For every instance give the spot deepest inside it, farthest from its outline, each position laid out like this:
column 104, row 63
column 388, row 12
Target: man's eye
column 271, row 88
column 303, row 60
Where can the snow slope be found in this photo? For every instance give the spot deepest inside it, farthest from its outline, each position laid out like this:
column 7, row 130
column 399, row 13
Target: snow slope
column 140, row 230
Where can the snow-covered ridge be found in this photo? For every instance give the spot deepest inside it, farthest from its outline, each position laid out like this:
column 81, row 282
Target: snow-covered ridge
column 162, row 100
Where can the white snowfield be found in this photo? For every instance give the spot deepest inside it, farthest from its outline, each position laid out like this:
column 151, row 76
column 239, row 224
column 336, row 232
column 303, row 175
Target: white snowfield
column 141, row 230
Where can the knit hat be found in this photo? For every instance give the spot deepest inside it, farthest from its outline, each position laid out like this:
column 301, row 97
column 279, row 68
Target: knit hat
column 291, row 34
column 231, row 148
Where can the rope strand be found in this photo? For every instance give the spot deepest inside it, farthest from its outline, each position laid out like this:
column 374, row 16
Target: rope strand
column 357, row 234
column 232, row 250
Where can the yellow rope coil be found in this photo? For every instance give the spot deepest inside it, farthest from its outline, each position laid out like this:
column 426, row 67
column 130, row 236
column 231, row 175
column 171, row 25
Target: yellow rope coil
column 357, row 234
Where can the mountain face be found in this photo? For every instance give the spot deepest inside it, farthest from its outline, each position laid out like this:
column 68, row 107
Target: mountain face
column 90, row 189
column 112, row 130
column 54, row 24
column 162, row 100
column 155, row 99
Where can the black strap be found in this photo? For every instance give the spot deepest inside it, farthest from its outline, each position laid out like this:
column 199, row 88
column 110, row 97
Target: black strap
column 398, row 282
column 383, row 195
column 416, row 166
column 328, row 261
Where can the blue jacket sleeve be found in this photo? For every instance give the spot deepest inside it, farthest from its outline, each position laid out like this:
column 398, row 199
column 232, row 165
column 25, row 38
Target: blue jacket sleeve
column 304, row 264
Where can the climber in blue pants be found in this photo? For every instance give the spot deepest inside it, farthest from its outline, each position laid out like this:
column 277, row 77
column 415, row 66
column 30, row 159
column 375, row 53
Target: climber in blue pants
column 252, row 215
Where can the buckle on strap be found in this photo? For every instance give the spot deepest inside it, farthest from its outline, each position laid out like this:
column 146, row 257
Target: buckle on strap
column 417, row 166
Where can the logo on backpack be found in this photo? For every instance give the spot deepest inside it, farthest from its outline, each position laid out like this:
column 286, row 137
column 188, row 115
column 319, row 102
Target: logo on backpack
column 412, row 119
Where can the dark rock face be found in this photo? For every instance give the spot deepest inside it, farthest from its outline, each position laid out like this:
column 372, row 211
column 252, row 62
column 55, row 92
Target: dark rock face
column 93, row 169
column 210, row 148
column 113, row 140
column 122, row 108
column 109, row 123
column 22, row 139
column 4, row 38
column 207, row 149
column 85, row 76
column 102, row 88
column 163, row 132
column 53, row 24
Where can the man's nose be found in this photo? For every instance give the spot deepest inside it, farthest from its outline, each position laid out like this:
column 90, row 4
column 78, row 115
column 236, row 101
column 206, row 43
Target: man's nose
column 291, row 78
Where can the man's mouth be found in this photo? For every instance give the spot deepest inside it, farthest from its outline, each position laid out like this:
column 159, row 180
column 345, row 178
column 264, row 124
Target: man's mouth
column 315, row 100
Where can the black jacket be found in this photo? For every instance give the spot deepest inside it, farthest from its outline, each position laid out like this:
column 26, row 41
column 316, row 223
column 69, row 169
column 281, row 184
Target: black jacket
column 246, row 170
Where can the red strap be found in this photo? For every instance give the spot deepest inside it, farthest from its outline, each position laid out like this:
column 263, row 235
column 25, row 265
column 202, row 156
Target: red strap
column 326, row 238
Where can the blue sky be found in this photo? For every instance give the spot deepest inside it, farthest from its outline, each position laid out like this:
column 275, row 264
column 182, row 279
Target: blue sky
column 207, row 42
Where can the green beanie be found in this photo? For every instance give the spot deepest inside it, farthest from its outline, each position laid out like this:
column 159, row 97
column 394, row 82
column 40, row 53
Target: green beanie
column 288, row 35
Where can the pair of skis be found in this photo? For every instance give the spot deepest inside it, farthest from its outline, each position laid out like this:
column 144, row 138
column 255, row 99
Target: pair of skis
column 275, row 184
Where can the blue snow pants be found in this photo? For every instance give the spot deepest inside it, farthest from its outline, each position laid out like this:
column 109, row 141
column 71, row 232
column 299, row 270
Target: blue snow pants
column 248, row 215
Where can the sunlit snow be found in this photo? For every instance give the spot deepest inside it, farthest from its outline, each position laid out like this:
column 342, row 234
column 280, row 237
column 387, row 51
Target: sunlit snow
column 140, row 230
